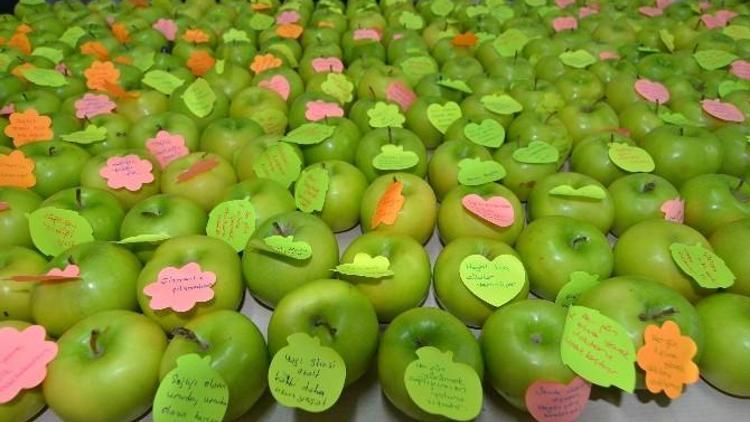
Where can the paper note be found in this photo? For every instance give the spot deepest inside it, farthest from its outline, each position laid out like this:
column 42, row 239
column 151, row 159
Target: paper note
column 197, row 168
column 537, row 152
column 474, row 171
column 99, row 74
column 92, row 105
column 263, row 62
column 488, row 133
column 54, row 230
column 284, row 246
column 199, row 98
column 496, row 282
column 167, row 27
column 191, row 392
column 702, row 265
column 385, row 115
column 17, row 170
column 130, row 172
column 673, row 210
column 327, row 64
column 393, row 157
column 144, row 238
column 89, row 135
column 389, row 205
column 320, row 110
column 501, row 104
column 495, row 210
column 24, row 356
column 28, row 126
column 167, row 147
column 364, row 265
column 651, row 91
column 279, row 162
column 667, row 358
column 588, row 192
column 443, row 115
column 162, row 81
column 311, row 189
column 578, row 59
column 278, row 84
column 180, row 288
column 401, row 94
column 549, row 401
column 578, row 282
column 630, row 158
column 233, row 222
column 727, row 112
column 310, row 134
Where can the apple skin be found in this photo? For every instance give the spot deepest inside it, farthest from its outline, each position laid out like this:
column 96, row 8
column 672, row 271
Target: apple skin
column 443, row 168
column 728, row 243
column 205, row 189
column 554, row 247
column 521, row 177
column 541, row 203
column 237, row 350
column 643, row 250
column 15, row 297
column 714, row 200
column 521, row 345
column 227, row 135
column 100, row 208
column 335, row 312
column 591, row 157
column 637, row 302
column 412, row 330
column 27, row 403
column 408, row 286
column 57, row 165
column 118, row 381
column 450, row 291
column 147, row 103
column 638, row 197
column 416, row 217
column 344, row 195
column 726, row 329
column 13, row 223
column 170, row 121
column 455, row 221
column 268, row 197
column 212, row 255
column 270, row 277
column 735, row 151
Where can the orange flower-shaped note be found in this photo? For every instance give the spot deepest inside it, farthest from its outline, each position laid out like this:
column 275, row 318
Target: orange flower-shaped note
column 95, row 48
column 389, row 205
column 263, row 62
column 195, row 36
column 17, row 170
column 23, row 29
column 289, row 30
column 29, row 126
column 200, row 62
column 667, row 358
column 99, row 74
column 467, row 39
column 20, row 41
column 121, row 32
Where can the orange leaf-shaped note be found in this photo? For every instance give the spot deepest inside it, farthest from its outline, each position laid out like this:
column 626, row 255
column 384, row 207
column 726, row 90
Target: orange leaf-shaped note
column 257, row 7
column 99, row 74
column 23, row 29
column 121, row 32
column 667, row 358
column 289, row 30
column 19, row 70
column 196, row 36
column 17, row 170
column 263, row 62
column 124, row 59
column 20, row 41
column 199, row 167
column 389, row 205
column 200, row 62
column 467, row 39
column 95, row 48
column 28, row 126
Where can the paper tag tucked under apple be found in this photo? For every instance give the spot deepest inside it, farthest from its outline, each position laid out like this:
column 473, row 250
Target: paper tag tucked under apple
column 24, row 356
column 496, row 210
column 162, row 81
column 306, row 375
column 72, row 35
column 17, row 170
column 510, row 42
column 389, row 205
column 320, row 110
column 199, row 98
column 393, row 157
column 130, row 172
column 727, row 112
column 630, row 158
column 197, row 168
column 549, row 401
column 279, row 162
column 284, row 246
column 667, row 358
column 277, row 83
column 443, row 115
column 652, row 91
column 385, row 115
column 440, row 386
column 537, row 152
column 92, row 105
column 474, row 171
column 598, row 349
column 578, row 283
column 673, row 210
column 311, row 189
column 489, row 133
column 167, row 147
column 456, row 84
column 193, row 391
column 89, row 135
column 501, row 104
column 401, row 94
column 370, row 34
column 365, row 265
column 54, row 230
column 310, row 134
column 702, row 265
column 579, row 59
column 496, row 282
column 144, row 238
column 233, row 222
column 181, row 288
column 27, row 127
column 588, row 192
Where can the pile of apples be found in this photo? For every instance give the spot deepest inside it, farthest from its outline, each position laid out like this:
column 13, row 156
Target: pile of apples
column 568, row 147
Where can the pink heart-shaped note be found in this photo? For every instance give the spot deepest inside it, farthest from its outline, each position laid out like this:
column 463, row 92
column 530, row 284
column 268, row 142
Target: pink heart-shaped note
column 652, row 91
column 663, row 4
column 587, row 11
column 167, row 27
column 725, row 15
column 399, row 93
column 278, row 84
column 704, row 5
column 740, row 69
column 650, row 11
column 319, row 110
column 564, row 23
column 562, row 4
column 549, row 401
column 327, row 64
column 673, row 210
column 366, row 34
column 496, row 210
column 712, row 21
column 727, row 112
column 608, row 55
column 70, row 270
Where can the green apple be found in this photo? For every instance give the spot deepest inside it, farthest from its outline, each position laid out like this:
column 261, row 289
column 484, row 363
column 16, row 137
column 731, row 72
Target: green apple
column 227, row 135
column 591, row 157
column 146, row 103
column 219, row 109
column 727, row 242
column 532, row 126
column 57, row 165
column 583, row 120
column 100, row 208
column 263, row 106
column 91, row 176
column 638, row 197
column 341, row 145
column 175, row 123
column 580, row 86
column 15, row 297
column 373, row 141
column 13, row 223
column 681, row 153
column 521, row 177
column 443, row 168
column 735, row 149
column 107, row 368
column 27, row 403
column 206, row 188
column 714, row 200
column 267, row 196
column 335, row 312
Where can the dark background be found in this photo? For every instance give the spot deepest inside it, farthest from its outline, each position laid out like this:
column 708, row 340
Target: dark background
column 6, row 6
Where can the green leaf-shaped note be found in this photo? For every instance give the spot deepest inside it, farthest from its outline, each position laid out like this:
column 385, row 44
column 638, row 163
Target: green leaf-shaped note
column 279, row 162
column 233, row 222
column 415, row 68
column 510, row 42
column 261, row 22
column 714, row 59
column 598, row 349
column 737, row 32
column 630, row 158
column 496, row 282
column 702, row 265
column 411, row 20
column 474, row 11
column 488, row 133
column 483, row 37
column 677, row 119
column 144, row 61
column 667, row 38
column 440, row 386
column 474, row 171
column 199, row 98
column 442, row 116
column 456, row 84
column 52, row 54
column 284, row 246
column 501, row 104
column 144, row 238
column 385, row 115
column 310, row 134
column 193, row 391
column 306, row 375
column 441, row 7
column 537, row 152
column 578, row 59
column 579, row 282
column 728, row 87
column 393, row 157
column 338, row 86
column 91, row 134
column 54, row 230
column 45, row 77
column 162, row 81
column 311, row 189
column 588, row 191
column 72, row 35
column 365, row 265
column 235, row 35
column 501, row 12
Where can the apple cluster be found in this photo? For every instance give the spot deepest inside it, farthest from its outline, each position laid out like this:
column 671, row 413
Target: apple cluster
column 159, row 159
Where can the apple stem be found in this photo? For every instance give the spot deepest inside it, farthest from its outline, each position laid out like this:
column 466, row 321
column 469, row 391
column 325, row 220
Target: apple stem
column 657, row 106
column 323, row 323
column 682, row 131
column 93, row 344
column 578, row 240
column 390, row 135
column 648, row 187
column 79, row 203
column 659, row 315
column 372, row 91
column 190, row 335
column 278, row 229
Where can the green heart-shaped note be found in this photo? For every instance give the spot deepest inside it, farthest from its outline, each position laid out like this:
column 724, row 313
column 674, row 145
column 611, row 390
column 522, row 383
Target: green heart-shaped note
column 537, row 152
column 496, row 282
column 488, row 133
column 579, row 282
column 442, row 116
column 310, row 134
column 578, row 59
column 474, row 171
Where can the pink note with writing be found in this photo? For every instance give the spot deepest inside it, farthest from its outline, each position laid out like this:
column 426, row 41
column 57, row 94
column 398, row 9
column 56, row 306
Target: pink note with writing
column 549, row 401
column 587, row 11
column 319, row 110
column 727, row 112
column 92, row 105
column 167, row 27
column 740, row 69
column 130, row 172
column 167, row 147
column 327, row 64
column 277, row 84
column 181, row 288
column 24, row 356
column 366, row 34
column 496, row 210
column 399, row 93
column 608, row 55
column 287, row 17
column 652, row 91
column 564, row 23
column 674, row 210
column 562, row 4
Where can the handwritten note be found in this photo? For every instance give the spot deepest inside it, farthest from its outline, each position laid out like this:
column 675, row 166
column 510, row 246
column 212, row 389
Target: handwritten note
column 24, row 355
column 496, row 210
column 704, row 266
column 311, row 189
column 667, row 357
column 232, row 222
column 389, row 205
column 130, row 172
column 495, row 282
column 181, row 288
column 17, row 170
column 279, row 162
column 54, row 230
column 193, row 392
column 550, row 401
column 167, row 147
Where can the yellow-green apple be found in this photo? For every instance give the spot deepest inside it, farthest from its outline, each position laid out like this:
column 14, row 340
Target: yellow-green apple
column 443, row 169
column 175, row 123
column 111, row 170
column 714, row 200
column 267, row 196
column 727, row 242
column 735, row 149
column 638, row 197
column 265, row 107
column 591, row 157
column 57, row 165
column 100, row 208
column 521, row 177
column 15, row 297
column 227, row 135
column 203, row 177
column 681, row 153
column 582, row 120
column 341, row 145
column 373, row 142
column 144, row 103
column 15, row 203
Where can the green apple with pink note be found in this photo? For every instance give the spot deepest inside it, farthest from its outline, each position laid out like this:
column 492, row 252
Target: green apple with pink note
column 15, row 297
column 95, row 175
column 714, row 200
column 170, row 121
column 27, row 403
column 202, row 177
column 638, row 197
column 15, row 203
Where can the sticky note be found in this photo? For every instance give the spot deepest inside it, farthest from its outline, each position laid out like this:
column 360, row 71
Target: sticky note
column 588, row 192
column 673, row 210
column 443, row 115
column 162, row 81
column 92, row 105
column 311, row 189
column 130, row 172
column 233, row 222
column 200, row 62
column 101, row 73
column 167, row 147
column 327, row 64
column 90, row 135
column 401, row 94
column 278, row 162
column 496, row 282
column 652, row 91
column 630, row 158
column 277, row 83
column 510, row 42
column 713, row 59
column 193, row 391
column 364, row 265
column 54, row 230
column 310, row 134
column 17, row 170
column 320, row 110
column 389, row 205
column 24, row 356
column 495, row 210
column 727, row 112
column 28, row 126
column 385, row 115
column 501, row 104
column 393, row 157
column 564, row 23
column 199, row 98
column 667, row 358
column 537, row 152
column 180, row 288
column 702, row 265
column 578, row 59
column 455, row 84
column 578, row 282
column 489, row 133
column 474, row 171
column 45, row 77
column 167, row 27
column 339, row 87
column 549, row 401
